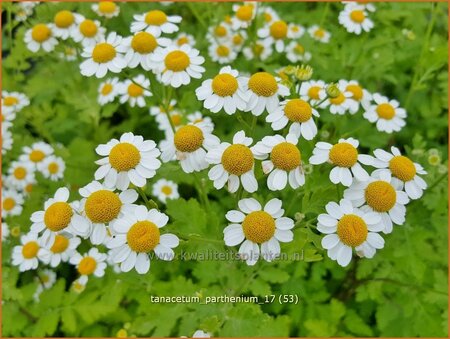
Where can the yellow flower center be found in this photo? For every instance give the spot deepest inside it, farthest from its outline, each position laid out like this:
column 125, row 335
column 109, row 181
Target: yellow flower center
column 183, row 40
column 224, row 85
column 380, row 195
column 352, row 230
column 188, row 138
column 167, row 190
column 135, row 90
column 53, row 168
column 20, row 173
column 263, row 84
column 143, row 236
column 41, row 33
column 220, row 31
column 338, row 100
column 298, row 110
column 356, row 90
column 30, row 250
column 64, row 19
column 313, row 92
column 107, row 7
column 87, row 266
column 237, row 39
column 245, row 13
column 357, row 16
column 319, row 33
column 37, row 155
column 299, row 49
column 10, row 101
column 237, row 159
column 103, row 206
column 343, row 155
column 385, row 111
column 106, row 89
column 103, row 52
column 176, row 119
column 57, row 217
column 177, row 61
column 155, row 18
column 144, row 43
column 222, row 51
column 60, row 244
column 8, row 204
column 267, row 17
column 124, row 156
column 29, row 188
column 402, row 168
column 258, row 227
column 88, row 28
column 286, row 156
column 258, row 49
column 15, row 231
column 278, row 29
column 45, row 278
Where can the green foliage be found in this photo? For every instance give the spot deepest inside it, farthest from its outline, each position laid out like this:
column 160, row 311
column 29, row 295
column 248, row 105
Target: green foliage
column 401, row 292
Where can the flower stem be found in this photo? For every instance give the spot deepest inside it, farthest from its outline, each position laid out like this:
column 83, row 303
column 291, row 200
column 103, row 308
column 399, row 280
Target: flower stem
column 151, row 204
column 167, row 96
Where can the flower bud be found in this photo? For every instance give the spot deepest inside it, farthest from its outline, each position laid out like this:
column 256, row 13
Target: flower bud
column 333, row 90
column 304, row 73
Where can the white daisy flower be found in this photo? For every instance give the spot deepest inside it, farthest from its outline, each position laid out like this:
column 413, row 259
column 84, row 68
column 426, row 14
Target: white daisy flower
column 379, row 195
column 155, row 22
column 135, row 91
column 77, row 286
column 36, row 153
column 64, row 24
column 197, row 117
column 404, row 171
column 387, row 114
column 88, row 32
column 295, row 31
column 108, row 90
column 260, row 50
column 233, row 163
column 103, row 207
column 106, row 9
column 140, row 47
column 225, row 90
column 46, row 278
column 319, row 34
column 130, row 159
column 244, row 15
column 68, row 54
column 6, row 139
column 238, row 39
column 177, row 65
column 165, row 189
column 25, row 254
column 220, row 33
column 12, row 102
column 299, row 114
column 106, row 55
column 12, row 202
column 360, row 96
column 263, row 89
column 345, row 159
column 342, row 103
column 189, row 145
column 259, row 230
column 276, row 33
column 60, row 250
column 185, row 39
column 222, row 53
column 313, row 91
column 295, row 52
column 366, row 5
column 91, row 263
column 348, row 227
column 138, row 234
column 52, row 167
column 354, row 19
column 5, row 231
column 269, row 15
column 24, row 11
column 161, row 110
column 285, row 163
column 57, row 217
column 40, row 36
column 176, row 117
column 20, row 174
